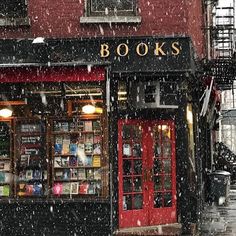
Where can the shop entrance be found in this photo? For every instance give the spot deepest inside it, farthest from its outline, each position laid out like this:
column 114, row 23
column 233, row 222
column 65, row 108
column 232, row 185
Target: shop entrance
column 147, row 173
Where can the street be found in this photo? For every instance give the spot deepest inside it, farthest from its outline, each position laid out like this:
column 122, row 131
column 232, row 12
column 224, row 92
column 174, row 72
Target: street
column 221, row 220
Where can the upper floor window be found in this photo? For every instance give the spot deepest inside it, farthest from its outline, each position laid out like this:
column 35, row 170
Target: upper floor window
column 13, row 8
column 111, row 7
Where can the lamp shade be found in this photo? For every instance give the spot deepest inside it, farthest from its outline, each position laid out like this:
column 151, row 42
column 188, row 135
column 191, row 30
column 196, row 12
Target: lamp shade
column 5, row 112
column 88, row 109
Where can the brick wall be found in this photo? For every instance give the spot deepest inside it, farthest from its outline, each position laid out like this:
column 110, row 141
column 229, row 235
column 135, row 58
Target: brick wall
column 61, row 18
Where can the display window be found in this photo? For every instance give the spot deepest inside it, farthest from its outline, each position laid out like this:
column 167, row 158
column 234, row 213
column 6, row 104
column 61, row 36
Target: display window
column 53, row 140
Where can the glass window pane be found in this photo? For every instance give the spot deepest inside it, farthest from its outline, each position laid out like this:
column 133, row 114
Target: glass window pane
column 137, row 150
column 167, row 166
column 137, row 184
column 127, row 185
column 127, row 202
column 126, row 132
column 167, row 200
column 157, row 166
column 167, row 182
column 138, row 201
column 157, row 183
column 127, row 167
column 158, row 200
column 137, row 167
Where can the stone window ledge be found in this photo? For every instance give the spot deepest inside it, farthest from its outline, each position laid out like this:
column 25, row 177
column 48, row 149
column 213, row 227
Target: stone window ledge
column 109, row 19
column 15, row 21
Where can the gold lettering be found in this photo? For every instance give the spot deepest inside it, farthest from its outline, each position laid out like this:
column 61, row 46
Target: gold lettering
column 176, row 49
column 118, row 50
column 159, row 50
column 104, row 52
column 145, row 49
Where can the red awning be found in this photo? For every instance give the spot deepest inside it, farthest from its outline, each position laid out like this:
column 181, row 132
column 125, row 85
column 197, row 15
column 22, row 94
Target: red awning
column 51, row 74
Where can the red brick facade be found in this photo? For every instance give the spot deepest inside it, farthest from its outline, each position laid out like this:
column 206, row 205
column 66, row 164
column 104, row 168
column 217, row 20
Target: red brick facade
column 61, row 19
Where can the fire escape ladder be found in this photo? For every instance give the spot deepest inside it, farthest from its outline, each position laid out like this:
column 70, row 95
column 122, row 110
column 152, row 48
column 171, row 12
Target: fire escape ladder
column 222, row 65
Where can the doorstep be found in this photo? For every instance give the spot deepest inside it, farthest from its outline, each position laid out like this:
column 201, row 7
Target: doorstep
column 168, row 229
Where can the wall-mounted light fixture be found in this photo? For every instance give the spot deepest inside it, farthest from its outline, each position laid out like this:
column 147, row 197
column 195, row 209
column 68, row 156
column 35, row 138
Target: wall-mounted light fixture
column 88, row 109
column 6, row 112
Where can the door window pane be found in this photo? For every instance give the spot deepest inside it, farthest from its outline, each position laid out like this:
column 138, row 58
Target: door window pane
column 138, row 201
column 127, row 185
column 157, row 166
column 167, row 166
column 137, row 167
column 167, row 200
column 127, row 167
column 127, row 202
column 137, row 184
column 158, row 200
column 167, row 182
column 137, row 151
column 157, row 183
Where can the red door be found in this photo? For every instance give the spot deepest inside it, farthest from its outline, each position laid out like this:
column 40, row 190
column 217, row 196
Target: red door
column 147, row 173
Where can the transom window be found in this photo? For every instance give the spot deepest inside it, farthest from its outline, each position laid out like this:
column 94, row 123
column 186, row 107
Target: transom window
column 111, row 7
column 13, row 8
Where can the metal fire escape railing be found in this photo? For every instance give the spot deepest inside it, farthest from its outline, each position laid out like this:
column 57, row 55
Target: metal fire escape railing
column 221, row 65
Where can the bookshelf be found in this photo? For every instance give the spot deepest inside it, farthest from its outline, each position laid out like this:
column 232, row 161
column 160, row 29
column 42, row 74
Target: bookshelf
column 31, row 166
column 76, row 156
column 6, row 167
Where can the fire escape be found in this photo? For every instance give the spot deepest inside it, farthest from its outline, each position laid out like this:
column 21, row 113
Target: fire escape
column 221, row 65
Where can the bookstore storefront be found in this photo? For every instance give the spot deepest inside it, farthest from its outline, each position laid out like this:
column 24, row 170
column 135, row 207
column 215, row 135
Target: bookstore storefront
column 85, row 146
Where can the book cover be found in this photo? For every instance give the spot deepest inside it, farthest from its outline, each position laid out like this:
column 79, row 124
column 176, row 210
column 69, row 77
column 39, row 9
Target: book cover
column 81, row 174
column 59, row 175
column 66, row 146
column 90, row 174
column 74, row 174
column 29, row 189
column 5, row 190
column 74, row 188
column 2, row 177
column 37, row 189
column 91, row 189
column 22, row 175
column 66, row 174
column 58, row 148
column 96, row 161
column 97, row 174
column 57, row 189
column 97, row 149
column 73, row 161
column 37, row 174
column 89, row 138
column 73, row 148
column 97, row 139
column 24, row 159
column 57, row 162
column 72, row 126
column 8, row 177
column 65, row 161
column 80, row 125
column 29, row 174
column 66, row 188
column 83, row 188
column 88, row 148
column 96, row 125
column 88, row 126
column 88, row 160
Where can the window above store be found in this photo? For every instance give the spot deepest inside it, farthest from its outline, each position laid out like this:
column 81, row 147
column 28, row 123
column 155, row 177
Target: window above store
column 111, row 11
column 13, row 13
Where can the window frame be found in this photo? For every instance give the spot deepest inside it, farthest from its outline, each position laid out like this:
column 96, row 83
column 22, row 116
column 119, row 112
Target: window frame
column 14, row 20
column 120, row 13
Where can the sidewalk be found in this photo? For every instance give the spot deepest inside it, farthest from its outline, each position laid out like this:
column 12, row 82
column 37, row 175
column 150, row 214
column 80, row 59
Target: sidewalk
column 220, row 220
